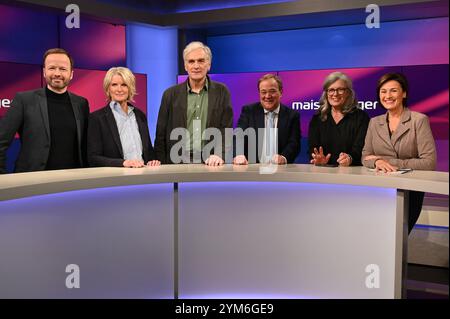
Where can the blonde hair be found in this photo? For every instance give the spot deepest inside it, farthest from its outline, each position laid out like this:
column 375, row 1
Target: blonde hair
column 127, row 76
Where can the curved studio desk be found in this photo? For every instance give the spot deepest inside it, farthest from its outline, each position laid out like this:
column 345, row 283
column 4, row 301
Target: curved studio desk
column 192, row 231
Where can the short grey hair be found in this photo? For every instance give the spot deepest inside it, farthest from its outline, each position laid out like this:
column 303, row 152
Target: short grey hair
column 194, row 46
column 349, row 105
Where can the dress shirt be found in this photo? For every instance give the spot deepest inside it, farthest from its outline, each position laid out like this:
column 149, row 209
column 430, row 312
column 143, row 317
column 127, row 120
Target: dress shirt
column 197, row 110
column 128, row 131
column 265, row 158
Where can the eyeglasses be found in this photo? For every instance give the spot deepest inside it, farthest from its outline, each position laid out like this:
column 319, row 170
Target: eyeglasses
column 270, row 92
column 339, row 91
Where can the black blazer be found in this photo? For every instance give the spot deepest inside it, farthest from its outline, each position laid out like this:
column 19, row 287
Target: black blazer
column 104, row 146
column 28, row 116
column 173, row 114
column 348, row 136
column 288, row 129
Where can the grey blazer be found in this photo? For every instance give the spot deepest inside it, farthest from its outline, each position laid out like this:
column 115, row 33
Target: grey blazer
column 411, row 146
column 173, row 114
column 28, row 116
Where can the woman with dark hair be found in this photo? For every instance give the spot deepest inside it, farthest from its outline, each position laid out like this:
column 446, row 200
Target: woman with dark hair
column 400, row 138
column 339, row 127
column 118, row 133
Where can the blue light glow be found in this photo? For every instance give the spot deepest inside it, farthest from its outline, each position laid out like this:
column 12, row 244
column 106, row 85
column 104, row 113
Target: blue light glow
column 222, row 4
column 352, row 46
column 153, row 51
column 261, row 186
column 81, row 195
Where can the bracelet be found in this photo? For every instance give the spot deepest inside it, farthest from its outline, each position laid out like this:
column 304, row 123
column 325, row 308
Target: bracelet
column 351, row 158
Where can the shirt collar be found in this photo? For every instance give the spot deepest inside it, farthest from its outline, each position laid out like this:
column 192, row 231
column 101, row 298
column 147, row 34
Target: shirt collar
column 276, row 111
column 205, row 87
column 115, row 106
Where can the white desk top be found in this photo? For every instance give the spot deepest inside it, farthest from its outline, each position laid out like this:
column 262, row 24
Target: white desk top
column 21, row 185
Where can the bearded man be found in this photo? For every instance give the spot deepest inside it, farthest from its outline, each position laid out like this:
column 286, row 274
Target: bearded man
column 51, row 122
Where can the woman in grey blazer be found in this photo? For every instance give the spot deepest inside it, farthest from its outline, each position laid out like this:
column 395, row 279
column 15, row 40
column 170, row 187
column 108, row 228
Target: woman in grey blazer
column 400, row 138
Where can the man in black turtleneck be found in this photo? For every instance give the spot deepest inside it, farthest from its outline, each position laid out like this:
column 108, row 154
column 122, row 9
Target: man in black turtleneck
column 51, row 122
column 63, row 130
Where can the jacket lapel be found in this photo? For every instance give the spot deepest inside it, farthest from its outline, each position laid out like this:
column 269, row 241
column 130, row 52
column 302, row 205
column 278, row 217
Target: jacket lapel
column 403, row 126
column 282, row 123
column 76, row 113
column 212, row 98
column 44, row 110
column 181, row 106
column 142, row 127
column 113, row 127
column 383, row 130
column 260, row 124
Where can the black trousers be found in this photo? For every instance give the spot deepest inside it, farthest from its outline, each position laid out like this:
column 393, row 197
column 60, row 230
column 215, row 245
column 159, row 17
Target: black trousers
column 415, row 207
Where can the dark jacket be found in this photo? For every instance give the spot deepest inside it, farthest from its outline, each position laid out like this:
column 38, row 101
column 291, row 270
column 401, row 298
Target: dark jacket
column 104, row 146
column 173, row 114
column 288, row 129
column 28, row 116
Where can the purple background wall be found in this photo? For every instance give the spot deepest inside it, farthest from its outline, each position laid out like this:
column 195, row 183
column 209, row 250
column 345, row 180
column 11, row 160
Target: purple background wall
column 419, row 48
column 305, row 87
column 95, row 45
column 25, row 34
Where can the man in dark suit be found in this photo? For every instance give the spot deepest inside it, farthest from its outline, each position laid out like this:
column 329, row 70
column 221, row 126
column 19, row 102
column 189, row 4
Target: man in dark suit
column 276, row 126
column 190, row 109
column 51, row 122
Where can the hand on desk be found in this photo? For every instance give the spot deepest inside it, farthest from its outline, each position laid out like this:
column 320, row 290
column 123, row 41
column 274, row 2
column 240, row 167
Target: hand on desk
column 240, row 160
column 154, row 163
column 318, row 158
column 133, row 163
column 384, row 166
column 278, row 159
column 214, row 160
column 344, row 159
